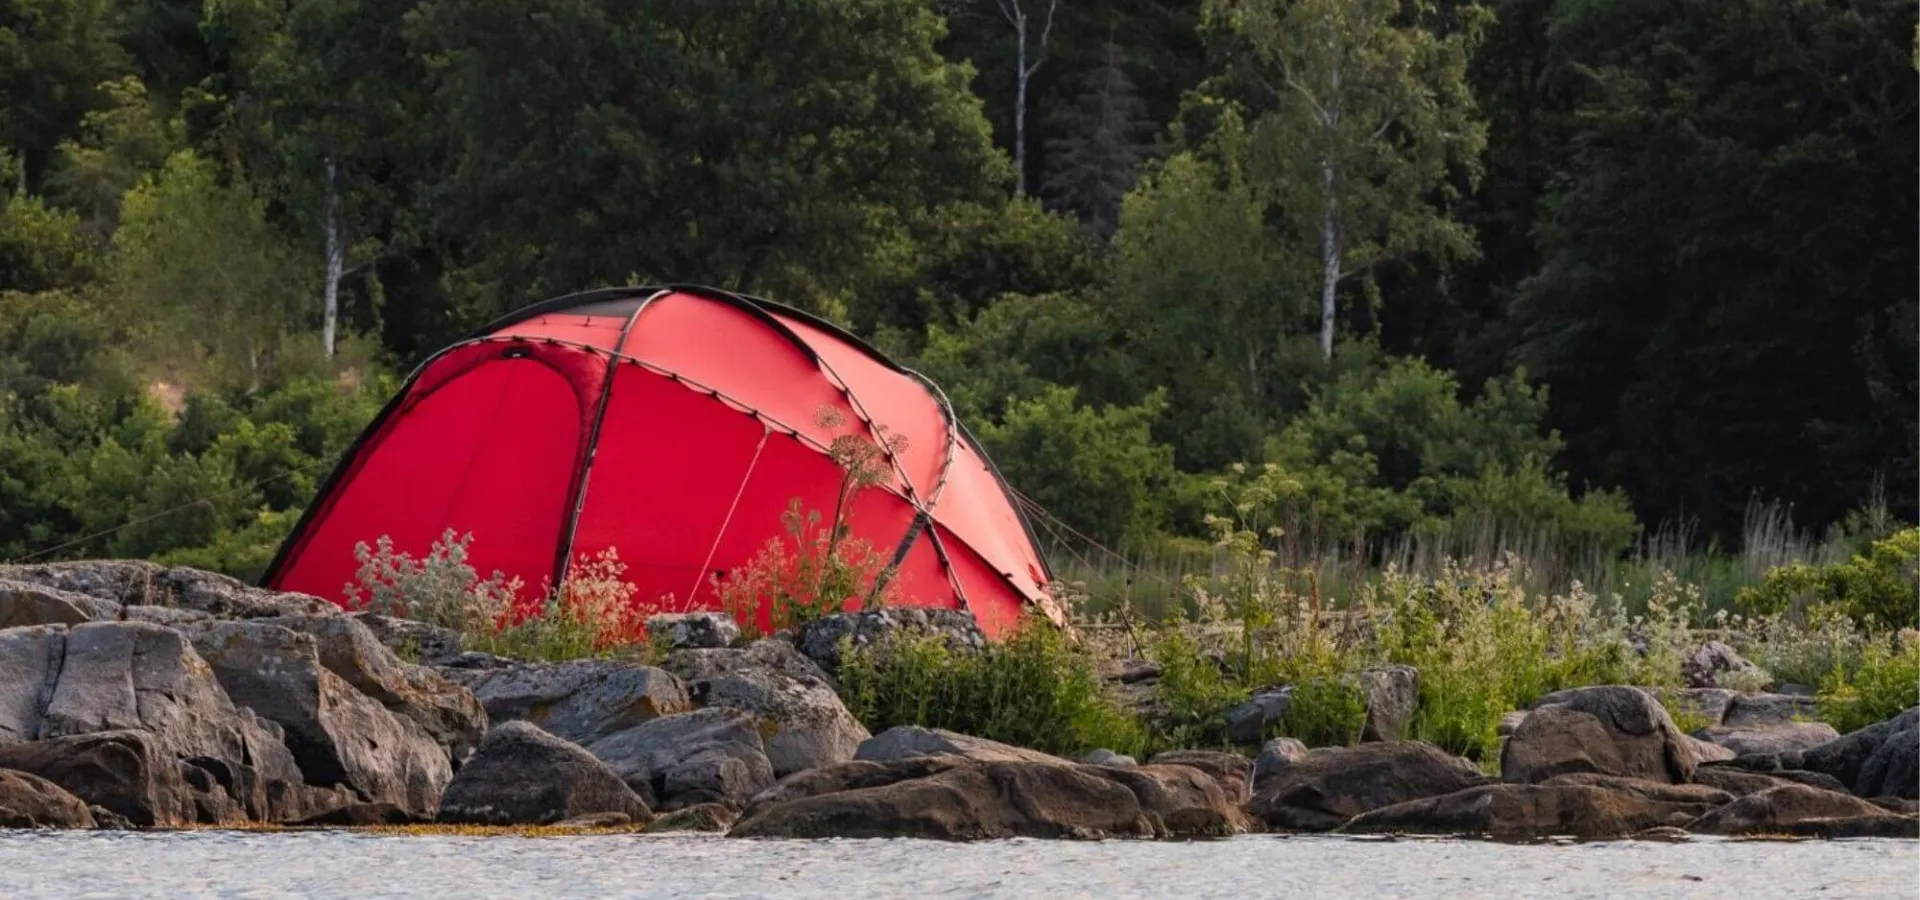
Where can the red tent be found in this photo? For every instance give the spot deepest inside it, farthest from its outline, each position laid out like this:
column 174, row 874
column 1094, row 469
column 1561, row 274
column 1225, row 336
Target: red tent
column 675, row 425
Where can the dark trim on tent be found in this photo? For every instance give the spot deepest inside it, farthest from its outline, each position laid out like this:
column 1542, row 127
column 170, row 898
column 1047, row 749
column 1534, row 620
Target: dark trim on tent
column 577, row 492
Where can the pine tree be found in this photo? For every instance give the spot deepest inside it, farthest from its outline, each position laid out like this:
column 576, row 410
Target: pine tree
column 1107, row 137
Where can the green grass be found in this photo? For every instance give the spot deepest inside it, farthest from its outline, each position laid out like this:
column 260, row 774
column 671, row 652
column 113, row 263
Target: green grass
column 1033, row 689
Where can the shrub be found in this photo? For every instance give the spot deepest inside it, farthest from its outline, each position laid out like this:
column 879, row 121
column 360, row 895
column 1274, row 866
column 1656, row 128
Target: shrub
column 590, row 614
column 1482, row 648
column 1884, row 683
column 439, row 589
column 1390, row 450
column 1034, row 689
column 1880, row 586
column 1098, row 469
column 827, row 568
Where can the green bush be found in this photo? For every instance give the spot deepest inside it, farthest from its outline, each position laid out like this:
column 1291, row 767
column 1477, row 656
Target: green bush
column 1032, row 689
column 1389, row 450
column 1886, row 682
column 1098, row 469
column 1880, row 586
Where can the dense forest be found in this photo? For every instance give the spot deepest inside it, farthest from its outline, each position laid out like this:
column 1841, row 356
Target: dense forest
column 1580, row 269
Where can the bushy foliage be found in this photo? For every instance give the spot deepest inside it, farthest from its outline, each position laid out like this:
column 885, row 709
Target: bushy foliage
column 1032, row 689
column 1885, row 682
column 590, row 614
column 1391, row 450
column 440, row 588
column 1098, row 469
column 97, row 461
column 1880, row 585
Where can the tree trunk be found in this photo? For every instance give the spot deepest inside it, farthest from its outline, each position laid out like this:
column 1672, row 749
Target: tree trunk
column 1020, row 108
column 1329, row 257
column 336, row 259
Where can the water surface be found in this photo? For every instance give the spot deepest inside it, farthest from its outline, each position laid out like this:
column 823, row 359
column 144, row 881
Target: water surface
column 70, row 865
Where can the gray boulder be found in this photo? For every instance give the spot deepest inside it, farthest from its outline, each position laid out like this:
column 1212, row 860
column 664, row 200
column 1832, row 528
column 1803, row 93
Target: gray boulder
column 24, row 603
column 112, row 676
column 682, row 631
column 1249, row 721
column 580, row 701
column 338, row 735
column 521, row 775
column 30, row 660
column 965, row 800
column 1780, row 809
column 821, row 639
column 1893, row 768
column 1275, row 757
column 1715, row 664
column 1530, row 811
column 29, row 801
column 1612, row 730
column 1105, row 757
column 411, row 640
column 350, row 649
column 1875, row 761
column 908, row 741
column 804, row 723
column 1231, row 771
column 1334, row 784
column 712, row 755
column 1392, row 695
column 128, row 775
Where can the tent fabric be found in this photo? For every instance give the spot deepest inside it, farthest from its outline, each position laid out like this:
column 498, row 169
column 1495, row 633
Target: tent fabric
column 674, row 425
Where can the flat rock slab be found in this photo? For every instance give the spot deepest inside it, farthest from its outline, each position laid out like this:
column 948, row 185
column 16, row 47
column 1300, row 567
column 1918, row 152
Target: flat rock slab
column 969, row 801
column 1530, row 811
column 1765, row 710
column 904, row 741
column 1769, row 738
column 1332, row 785
column 1775, row 810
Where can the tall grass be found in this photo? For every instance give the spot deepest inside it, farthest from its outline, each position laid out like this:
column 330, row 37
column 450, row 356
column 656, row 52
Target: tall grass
column 1152, row 582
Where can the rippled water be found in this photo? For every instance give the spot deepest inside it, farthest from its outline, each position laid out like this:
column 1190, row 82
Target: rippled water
column 69, row 865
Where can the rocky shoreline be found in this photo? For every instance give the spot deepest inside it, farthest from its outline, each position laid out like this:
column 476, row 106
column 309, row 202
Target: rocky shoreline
column 137, row 696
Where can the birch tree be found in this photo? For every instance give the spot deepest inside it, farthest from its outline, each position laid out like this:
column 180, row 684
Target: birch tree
column 1367, row 120
column 1032, row 28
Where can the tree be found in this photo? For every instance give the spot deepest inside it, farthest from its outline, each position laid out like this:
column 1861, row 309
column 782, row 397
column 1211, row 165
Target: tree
column 789, row 149
column 196, row 264
column 1213, row 298
column 116, row 145
column 1106, row 137
column 54, row 54
column 1367, row 118
column 354, row 128
column 1726, row 293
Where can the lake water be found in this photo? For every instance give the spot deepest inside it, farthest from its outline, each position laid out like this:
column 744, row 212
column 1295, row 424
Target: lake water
column 70, row 865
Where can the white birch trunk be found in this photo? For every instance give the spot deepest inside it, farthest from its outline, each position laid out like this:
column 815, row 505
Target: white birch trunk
column 336, row 260
column 1329, row 257
column 1020, row 108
